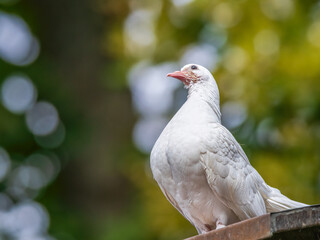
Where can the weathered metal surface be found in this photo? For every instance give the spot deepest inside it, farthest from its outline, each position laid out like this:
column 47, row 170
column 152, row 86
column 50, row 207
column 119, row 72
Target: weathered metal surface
column 293, row 224
column 312, row 233
column 252, row 229
column 296, row 224
column 295, row 219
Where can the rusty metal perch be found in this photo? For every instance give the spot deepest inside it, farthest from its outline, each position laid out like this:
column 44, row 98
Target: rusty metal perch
column 295, row 224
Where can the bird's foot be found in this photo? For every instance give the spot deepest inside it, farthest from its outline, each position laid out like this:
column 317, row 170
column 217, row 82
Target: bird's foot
column 219, row 225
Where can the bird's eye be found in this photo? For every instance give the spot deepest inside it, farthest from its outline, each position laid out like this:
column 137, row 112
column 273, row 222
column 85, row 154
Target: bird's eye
column 194, row 67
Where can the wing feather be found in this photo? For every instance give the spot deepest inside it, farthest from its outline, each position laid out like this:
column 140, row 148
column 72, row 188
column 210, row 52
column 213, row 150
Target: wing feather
column 230, row 174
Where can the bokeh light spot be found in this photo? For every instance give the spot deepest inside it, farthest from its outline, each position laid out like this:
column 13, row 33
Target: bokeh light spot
column 277, row 9
column 47, row 164
column 235, row 59
column 233, row 114
column 266, row 42
column 226, row 15
column 17, row 45
column 213, row 35
column 31, row 177
column 313, row 33
column 267, row 134
column 18, row 94
column 42, row 119
column 152, row 91
column 205, row 55
column 139, row 31
column 26, row 219
column 181, row 3
column 146, row 132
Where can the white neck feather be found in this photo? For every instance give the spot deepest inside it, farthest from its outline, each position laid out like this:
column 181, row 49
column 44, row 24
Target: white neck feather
column 207, row 91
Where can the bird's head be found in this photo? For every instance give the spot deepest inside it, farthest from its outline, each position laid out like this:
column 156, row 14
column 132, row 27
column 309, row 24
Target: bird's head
column 192, row 74
column 200, row 83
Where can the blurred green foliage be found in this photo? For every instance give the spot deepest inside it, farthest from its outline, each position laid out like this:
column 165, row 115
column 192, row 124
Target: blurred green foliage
column 268, row 59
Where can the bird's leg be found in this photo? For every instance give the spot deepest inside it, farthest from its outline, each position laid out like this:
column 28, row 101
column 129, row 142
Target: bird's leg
column 219, row 224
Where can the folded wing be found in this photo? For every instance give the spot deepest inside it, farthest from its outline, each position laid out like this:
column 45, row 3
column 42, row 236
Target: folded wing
column 230, row 174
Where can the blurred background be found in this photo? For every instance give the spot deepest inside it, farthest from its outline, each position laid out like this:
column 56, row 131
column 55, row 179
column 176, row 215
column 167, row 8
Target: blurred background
column 84, row 96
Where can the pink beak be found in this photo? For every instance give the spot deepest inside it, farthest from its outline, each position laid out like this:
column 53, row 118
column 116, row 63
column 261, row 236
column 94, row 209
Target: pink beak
column 179, row 75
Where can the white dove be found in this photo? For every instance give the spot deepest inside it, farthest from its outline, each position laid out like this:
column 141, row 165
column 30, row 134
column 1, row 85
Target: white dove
column 201, row 168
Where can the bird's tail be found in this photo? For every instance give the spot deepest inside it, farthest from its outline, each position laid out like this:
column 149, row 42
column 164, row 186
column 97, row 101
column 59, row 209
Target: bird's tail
column 276, row 201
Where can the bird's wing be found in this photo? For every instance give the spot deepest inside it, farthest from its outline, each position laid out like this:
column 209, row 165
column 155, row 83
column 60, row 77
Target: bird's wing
column 230, row 175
